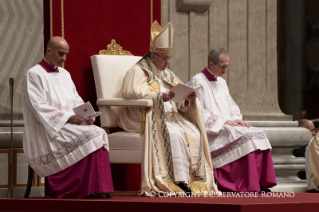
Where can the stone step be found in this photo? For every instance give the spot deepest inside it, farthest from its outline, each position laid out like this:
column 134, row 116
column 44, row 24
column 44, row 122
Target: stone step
column 7, row 123
column 285, row 160
column 290, row 186
column 19, row 192
column 273, row 123
column 290, row 166
column 287, row 136
column 5, row 137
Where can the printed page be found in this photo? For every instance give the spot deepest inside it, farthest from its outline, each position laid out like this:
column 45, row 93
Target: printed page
column 182, row 91
column 86, row 111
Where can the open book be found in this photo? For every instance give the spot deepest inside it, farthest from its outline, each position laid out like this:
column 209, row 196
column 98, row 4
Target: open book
column 86, row 111
column 182, row 91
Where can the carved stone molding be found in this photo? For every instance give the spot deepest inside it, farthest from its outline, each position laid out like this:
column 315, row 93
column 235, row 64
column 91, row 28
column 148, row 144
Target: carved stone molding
column 199, row 6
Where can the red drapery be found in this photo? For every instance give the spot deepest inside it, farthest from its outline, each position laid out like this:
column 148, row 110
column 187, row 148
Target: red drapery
column 89, row 26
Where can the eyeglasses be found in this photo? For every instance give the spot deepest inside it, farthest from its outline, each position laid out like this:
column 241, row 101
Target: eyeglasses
column 166, row 59
column 223, row 67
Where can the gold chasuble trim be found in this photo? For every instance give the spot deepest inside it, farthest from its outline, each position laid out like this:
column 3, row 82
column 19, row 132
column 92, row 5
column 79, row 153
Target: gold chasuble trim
column 151, row 12
column 62, row 20
column 199, row 188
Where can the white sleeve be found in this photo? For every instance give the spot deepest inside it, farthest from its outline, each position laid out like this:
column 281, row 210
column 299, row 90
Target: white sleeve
column 234, row 110
column 35, row 98
column 213, row 123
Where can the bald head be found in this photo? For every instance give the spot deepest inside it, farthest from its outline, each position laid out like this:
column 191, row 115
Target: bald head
column 55, row 41
column 308, row 125
column 57, row 49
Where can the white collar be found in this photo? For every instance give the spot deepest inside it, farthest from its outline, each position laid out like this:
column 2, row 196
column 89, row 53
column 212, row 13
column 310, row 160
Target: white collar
column 49, row 63
column 211, row 72
column 155, row 70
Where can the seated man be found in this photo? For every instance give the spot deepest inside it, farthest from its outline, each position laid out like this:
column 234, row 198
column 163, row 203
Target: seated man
column 305, row 123
column 240, row 153
column 68, row 150
column 176, row 150
column 312, row 164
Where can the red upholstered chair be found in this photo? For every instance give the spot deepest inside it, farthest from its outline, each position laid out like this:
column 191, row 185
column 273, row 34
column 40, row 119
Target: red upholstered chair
column 109, row 68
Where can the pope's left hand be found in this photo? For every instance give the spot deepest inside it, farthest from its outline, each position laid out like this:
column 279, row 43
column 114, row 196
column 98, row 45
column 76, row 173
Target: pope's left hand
column 191, row 97
column 89, row 121
column 242, row 123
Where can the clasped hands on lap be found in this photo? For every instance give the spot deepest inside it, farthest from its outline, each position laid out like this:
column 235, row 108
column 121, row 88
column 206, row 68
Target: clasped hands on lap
column 237, row 122
column 78, row 120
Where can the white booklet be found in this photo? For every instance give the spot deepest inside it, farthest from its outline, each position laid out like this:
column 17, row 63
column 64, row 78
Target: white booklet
column 182, row 91
column 86, row 111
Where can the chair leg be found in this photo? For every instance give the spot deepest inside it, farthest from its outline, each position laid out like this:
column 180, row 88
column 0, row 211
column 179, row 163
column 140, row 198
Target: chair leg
column 29, row 183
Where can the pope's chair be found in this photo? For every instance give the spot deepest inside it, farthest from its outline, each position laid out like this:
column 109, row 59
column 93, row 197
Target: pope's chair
column 109, row 68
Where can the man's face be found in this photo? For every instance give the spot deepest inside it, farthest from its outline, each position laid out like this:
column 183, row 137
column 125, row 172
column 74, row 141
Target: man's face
column 161, row 60
column 221, row 68
column 311, row 128
column 57, row 55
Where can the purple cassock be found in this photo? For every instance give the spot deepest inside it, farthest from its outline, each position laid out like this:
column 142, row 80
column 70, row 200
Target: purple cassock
column 247, row 174
column 90, row 175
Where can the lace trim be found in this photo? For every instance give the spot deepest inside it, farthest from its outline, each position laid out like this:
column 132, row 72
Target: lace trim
column 260, row 135
column 211, row 121
column 67, row 148
column 54, row 120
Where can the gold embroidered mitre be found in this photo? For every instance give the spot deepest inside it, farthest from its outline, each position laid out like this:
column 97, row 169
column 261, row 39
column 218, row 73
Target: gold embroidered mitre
column 161, row 39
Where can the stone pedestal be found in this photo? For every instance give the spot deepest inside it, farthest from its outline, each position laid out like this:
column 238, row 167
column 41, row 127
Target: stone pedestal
column 284, row 137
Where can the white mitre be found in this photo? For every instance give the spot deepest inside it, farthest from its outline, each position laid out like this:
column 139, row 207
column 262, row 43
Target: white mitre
column 161, row 39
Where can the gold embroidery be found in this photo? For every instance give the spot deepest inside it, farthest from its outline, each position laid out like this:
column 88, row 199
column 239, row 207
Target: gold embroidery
column 186, row 138
column 154, row 87
column 171, row 185
column 199, row 188
column 114, row 49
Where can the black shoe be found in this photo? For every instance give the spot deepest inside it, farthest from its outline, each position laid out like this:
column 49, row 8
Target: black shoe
column 265, row 190
column 99, row 195
column 302, row 175
column 185, row 188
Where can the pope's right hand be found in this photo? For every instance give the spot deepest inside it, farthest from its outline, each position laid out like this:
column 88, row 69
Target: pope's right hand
column 167, row 96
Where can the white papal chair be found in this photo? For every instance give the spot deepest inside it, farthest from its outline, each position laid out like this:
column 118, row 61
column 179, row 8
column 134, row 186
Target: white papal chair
column 109, row 68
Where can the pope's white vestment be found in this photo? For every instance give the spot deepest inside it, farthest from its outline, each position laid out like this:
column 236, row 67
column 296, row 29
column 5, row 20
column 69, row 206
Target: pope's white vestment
column 175, row 149
column 312, row 163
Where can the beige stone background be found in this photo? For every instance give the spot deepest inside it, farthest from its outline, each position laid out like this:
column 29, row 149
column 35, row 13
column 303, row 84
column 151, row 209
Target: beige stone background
column 247, row 29
column 21, row 46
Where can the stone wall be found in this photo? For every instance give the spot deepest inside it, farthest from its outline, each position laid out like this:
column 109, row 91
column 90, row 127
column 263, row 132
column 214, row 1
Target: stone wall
column 21, row 46
column 248, row 30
